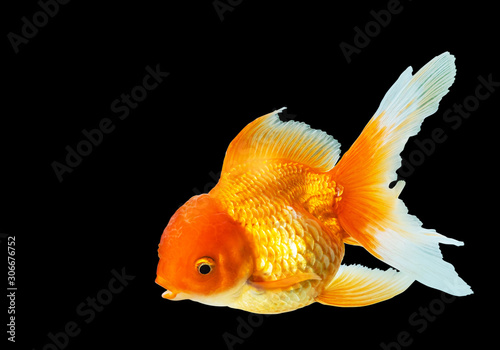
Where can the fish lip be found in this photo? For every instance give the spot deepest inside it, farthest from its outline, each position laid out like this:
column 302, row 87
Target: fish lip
column 169, row 293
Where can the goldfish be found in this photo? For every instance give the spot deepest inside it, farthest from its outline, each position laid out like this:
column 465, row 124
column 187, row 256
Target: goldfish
column 270, row 236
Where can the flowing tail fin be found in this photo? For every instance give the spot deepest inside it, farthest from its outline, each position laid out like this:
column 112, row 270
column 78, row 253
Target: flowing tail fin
column 368, row 210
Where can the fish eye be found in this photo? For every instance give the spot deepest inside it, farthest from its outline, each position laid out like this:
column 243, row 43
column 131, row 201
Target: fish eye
column 205, row 265
column 204, row 269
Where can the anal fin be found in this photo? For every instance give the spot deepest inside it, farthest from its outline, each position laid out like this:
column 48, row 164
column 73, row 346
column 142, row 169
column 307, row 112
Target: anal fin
column 356, row 285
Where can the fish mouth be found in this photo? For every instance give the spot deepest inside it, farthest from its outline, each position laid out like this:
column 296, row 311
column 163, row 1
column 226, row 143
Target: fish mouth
column 169, row 293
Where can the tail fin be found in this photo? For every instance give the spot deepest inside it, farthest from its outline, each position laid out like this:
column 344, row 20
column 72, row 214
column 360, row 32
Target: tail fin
column 369, row 211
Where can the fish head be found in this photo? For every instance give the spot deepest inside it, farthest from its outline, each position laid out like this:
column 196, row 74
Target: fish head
column 204, row 254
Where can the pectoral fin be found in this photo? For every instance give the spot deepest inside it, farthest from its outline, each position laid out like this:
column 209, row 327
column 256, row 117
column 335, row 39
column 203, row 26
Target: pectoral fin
column 284, row 283
column 356, row 285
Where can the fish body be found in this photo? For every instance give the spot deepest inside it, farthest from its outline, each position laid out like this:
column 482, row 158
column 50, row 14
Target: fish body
column 287, row 210
column 269, row 237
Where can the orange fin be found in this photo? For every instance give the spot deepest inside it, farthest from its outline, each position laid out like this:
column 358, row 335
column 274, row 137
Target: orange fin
column 350, row 240
column 369, row 210
column 285, row 283
column 356, row 285
column 268, row 138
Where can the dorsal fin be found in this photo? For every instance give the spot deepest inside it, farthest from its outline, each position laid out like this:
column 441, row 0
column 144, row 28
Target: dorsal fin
column 268, row 137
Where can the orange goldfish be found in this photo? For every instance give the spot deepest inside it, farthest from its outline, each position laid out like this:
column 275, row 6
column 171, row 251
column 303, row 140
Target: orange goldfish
column 269, row 237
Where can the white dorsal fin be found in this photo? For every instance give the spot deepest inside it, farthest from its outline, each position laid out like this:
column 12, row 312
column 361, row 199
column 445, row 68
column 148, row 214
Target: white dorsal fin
column 268, row 137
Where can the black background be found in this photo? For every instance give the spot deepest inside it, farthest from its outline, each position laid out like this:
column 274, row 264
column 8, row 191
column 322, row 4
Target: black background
column 109, row 213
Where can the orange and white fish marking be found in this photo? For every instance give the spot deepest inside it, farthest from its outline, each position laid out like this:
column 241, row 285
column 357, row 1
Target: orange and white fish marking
column 269, row 238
